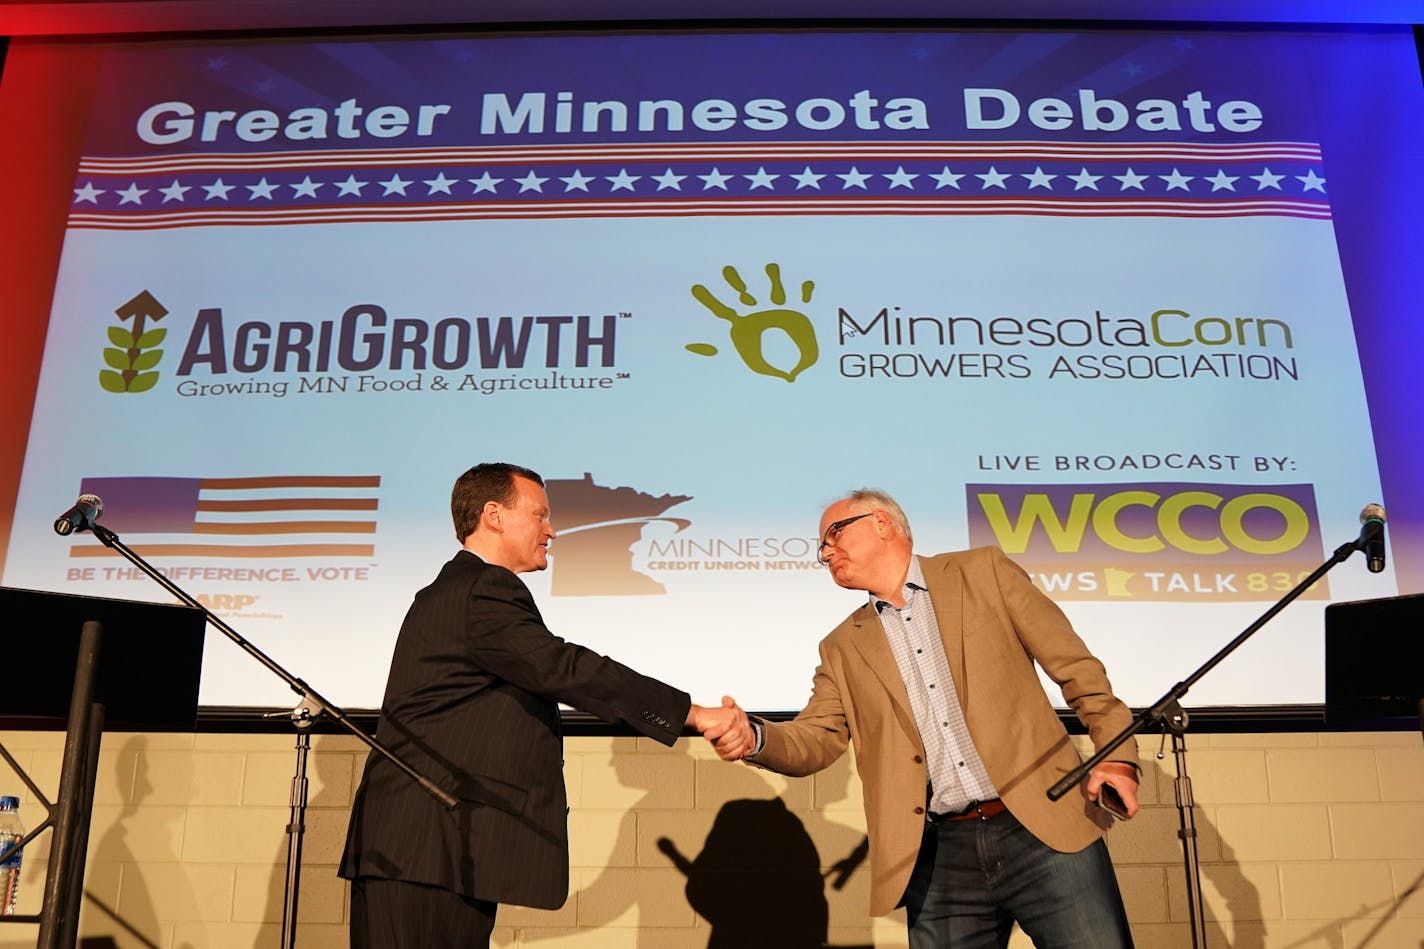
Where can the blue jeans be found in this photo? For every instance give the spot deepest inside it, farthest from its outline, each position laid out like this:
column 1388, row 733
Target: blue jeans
column 975, row 878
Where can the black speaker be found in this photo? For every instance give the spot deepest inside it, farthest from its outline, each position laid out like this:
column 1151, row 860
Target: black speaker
column 1374, row 659
column 149, row 662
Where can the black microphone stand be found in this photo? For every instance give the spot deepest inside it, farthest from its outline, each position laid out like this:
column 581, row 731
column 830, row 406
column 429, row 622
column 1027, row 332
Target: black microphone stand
column 303, row 716
column 1169, row 713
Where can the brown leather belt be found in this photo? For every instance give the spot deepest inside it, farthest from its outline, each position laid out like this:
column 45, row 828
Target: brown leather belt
column 983, row 810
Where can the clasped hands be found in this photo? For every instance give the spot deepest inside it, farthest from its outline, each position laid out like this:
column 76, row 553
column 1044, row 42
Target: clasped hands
column 727, row 727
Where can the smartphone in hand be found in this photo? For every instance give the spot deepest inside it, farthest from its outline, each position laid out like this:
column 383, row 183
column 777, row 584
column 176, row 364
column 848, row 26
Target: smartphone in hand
column 1112, row 802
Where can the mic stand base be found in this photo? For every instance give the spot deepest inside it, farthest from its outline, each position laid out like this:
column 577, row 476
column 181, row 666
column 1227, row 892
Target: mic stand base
column 1168, row 708
column 1175, row 722
column 302, row 720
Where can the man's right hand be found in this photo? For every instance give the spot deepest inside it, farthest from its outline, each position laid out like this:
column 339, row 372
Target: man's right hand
column 726, row 727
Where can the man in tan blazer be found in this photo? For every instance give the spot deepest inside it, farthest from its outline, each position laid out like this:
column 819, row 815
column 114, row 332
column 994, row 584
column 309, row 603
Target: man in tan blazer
column 934, row 683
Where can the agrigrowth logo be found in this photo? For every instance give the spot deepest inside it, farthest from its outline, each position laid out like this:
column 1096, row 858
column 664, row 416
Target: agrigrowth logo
column 134, row 353
column 748, row 330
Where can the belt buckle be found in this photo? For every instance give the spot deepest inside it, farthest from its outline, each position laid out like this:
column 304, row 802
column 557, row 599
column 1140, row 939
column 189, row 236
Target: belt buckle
column 977, row 809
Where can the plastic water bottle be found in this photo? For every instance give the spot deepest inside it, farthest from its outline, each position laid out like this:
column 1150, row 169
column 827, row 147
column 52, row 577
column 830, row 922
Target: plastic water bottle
column 11, row 833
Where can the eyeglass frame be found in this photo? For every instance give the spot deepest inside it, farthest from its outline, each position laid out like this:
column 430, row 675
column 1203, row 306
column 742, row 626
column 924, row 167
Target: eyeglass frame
column 828, row 539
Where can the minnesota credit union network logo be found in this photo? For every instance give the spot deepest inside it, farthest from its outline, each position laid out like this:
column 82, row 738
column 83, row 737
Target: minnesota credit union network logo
column 598, row 526
column 268, row 516
column 749, row 327
column 1146, row 541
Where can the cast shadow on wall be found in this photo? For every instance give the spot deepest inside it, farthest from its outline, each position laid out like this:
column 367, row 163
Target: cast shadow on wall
column 128, row 918
column 758, row 878
column 1240, row 916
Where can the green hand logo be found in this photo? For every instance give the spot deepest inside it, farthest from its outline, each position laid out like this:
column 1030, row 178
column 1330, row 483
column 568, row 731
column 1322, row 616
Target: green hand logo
column 132, row 355
column 749, row 328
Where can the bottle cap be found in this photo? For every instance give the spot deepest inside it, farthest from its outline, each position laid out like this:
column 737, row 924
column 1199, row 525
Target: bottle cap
column 8, row 803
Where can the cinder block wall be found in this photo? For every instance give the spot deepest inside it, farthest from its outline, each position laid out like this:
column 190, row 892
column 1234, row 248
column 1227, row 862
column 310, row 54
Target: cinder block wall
column 1305, row 840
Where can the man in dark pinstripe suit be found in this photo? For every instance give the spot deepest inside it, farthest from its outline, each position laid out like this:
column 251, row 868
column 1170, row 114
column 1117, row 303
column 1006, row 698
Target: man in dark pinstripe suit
column 472, row 703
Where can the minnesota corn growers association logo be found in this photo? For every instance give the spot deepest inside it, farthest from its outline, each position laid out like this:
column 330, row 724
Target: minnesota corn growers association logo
column 748, row 330
column 133, row 351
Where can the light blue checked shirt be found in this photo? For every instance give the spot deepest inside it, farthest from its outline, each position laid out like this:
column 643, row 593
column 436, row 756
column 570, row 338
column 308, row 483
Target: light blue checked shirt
column 957, row 775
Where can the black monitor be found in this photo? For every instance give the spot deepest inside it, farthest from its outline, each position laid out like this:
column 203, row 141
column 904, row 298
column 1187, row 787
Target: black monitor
column 1374, row 659
column 150, row 658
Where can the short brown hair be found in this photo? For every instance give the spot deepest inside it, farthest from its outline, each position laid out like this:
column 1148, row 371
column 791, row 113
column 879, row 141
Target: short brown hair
column 491, row 481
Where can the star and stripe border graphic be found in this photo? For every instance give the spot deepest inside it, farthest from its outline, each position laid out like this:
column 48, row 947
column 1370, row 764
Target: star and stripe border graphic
column 1191, row 180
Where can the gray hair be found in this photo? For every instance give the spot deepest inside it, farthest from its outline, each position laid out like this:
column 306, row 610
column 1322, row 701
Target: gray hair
column 877, row 498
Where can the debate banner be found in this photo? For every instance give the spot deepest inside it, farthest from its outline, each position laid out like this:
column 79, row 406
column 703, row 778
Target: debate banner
column 1078, row 294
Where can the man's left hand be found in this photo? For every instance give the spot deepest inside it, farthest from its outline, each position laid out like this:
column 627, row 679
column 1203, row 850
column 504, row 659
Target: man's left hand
column 1121, row 776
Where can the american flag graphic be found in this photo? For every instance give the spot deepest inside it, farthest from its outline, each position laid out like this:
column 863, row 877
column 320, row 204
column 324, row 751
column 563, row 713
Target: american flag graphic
column 269, row 516
column 1282, row 179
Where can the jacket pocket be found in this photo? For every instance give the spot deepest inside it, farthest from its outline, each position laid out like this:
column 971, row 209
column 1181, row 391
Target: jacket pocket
column 492, row 792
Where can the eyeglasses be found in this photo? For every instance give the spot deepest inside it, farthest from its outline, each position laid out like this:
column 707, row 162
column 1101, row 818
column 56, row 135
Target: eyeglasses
column 833, row 534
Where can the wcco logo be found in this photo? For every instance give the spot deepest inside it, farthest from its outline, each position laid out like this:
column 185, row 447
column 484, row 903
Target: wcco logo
column 1144, row 519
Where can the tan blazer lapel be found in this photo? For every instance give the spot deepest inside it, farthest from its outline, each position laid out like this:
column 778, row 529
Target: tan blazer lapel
column 947, row 593
column 874, row 648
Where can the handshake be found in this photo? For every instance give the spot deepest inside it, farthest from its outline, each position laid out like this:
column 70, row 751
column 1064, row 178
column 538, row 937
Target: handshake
column 727, row 727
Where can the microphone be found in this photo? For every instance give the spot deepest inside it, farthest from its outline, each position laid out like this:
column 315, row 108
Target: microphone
column 80, row 517
column 1372, row 536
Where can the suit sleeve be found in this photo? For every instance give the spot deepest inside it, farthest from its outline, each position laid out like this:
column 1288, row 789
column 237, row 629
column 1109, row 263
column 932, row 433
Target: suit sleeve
column 507, row 637
column 1048, row 636
column 816, row 737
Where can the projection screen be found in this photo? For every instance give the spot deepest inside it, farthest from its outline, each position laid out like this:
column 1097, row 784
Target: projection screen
column 1128, row 303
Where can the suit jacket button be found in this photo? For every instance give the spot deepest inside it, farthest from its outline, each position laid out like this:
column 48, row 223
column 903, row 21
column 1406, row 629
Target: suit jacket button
column 919, row 760
column 919, row 810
